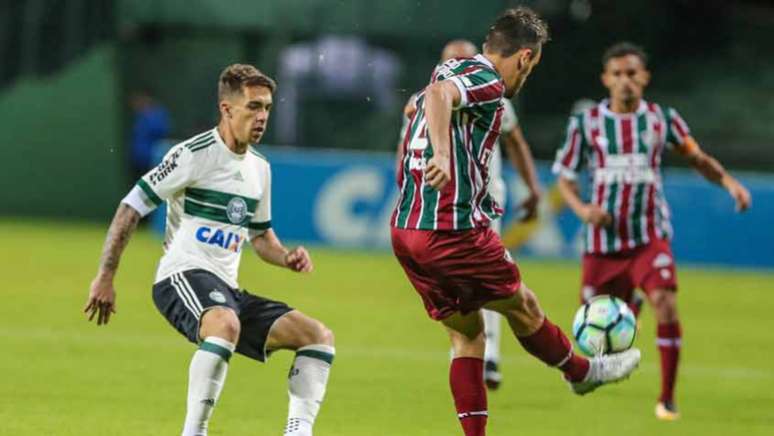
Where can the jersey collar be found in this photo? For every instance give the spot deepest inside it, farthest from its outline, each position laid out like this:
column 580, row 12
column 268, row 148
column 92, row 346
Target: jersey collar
column 605, row 108
column 225, row 148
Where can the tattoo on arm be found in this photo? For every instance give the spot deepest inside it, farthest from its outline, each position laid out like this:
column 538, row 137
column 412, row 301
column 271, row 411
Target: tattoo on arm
column 121, row 229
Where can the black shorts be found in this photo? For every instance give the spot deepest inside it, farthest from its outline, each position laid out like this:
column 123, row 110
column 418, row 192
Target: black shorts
column 183, row 298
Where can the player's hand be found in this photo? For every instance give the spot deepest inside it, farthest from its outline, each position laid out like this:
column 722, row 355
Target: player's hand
column 298, row 260
column 438, row 172
column 102, row 300
column 530, row 206
column 740, row 194
column 596, row 216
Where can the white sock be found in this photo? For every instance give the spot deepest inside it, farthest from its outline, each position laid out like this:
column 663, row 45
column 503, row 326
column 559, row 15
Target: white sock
column 206, row 376
column 306, row 387
column 492, row 333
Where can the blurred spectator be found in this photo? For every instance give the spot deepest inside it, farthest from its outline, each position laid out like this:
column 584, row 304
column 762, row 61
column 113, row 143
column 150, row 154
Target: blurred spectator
column 150, row 125
column 332, row 68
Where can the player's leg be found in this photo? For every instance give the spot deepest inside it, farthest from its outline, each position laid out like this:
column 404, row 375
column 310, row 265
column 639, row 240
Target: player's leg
column 492, row 333
column 669, row 334
column 200, row 306
column 544, row 340
column 466, row 380
column 313, row 343
column 655, row 273
column 207, row 372
column 493, row 322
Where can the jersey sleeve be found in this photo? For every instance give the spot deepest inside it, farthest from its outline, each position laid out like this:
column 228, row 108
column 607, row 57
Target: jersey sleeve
column 261, row 220
column 510, row 119
column 478, row 87
column 677, row 130
column 569, row 157
column 175, row 172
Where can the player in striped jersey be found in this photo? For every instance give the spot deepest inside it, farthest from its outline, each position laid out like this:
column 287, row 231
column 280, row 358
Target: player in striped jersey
column 518, row 151
column 621, row 141
column 218, row 192
column 441, row 231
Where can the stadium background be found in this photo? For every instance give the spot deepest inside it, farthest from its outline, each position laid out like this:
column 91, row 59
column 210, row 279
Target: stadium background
column 67, row 70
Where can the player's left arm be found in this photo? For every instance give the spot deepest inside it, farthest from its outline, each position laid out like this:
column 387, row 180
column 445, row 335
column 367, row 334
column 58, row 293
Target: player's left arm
column 517, row 149
column 712, row 170
column 440, row 99
column 266, row 243
column 269, row 248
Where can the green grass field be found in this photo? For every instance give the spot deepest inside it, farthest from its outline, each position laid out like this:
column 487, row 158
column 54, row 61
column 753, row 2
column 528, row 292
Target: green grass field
column 60, row 375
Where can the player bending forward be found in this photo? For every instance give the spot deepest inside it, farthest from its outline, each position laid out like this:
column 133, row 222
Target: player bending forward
column 218, row 192
column 521, row 157
column 621, row 141
column 441, row 231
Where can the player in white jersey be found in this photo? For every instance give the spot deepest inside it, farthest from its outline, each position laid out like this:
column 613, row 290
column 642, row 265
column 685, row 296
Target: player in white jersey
column 520, row 156
column 218, row 192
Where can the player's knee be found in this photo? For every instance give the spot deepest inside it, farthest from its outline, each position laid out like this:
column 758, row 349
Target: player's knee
column 529, row 307
column 316, row 332
column 324, row 335
column 220, row 322
column 465, row 346
column 664, row 305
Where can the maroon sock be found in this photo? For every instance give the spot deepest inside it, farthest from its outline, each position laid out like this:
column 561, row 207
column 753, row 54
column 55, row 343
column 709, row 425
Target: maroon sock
column 550, row 345
column 466, row 377
column 669, row 346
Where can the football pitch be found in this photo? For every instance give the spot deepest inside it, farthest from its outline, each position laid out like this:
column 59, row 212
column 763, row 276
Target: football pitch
column 64, row 376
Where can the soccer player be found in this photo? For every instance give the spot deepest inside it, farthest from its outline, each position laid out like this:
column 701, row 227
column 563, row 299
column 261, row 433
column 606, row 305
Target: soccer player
column 441, row 231
column 518, row 151
column 621, row 141
column 218, row 192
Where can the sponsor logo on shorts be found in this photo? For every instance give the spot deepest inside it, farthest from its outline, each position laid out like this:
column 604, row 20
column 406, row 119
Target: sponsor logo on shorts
column 662, row 260
column 665, row 274
column 236, row 210
column 227, row 240
column 217, row 297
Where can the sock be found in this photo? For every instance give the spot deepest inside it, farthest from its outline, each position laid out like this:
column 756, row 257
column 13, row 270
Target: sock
column 669, row 342
column 492, row 333
column 550, row 345
column 206, row 376
column 467, row 386
column 306, row 387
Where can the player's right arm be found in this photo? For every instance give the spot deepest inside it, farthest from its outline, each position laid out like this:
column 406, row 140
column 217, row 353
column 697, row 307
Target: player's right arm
column 440, row 98
column 171, row 175
column 102, row 294
column 569, row 160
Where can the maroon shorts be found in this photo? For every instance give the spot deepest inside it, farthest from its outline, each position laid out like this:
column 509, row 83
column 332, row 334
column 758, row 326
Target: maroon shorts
column 647, row 267
column 456, row 271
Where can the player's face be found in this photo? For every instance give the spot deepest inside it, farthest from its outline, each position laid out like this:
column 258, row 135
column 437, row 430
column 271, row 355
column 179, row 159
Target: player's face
column 521, row 65
column 626, row 78
column 249, row 113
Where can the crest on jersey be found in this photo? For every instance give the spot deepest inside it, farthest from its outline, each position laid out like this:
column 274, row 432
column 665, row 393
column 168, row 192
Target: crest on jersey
column 236, row 210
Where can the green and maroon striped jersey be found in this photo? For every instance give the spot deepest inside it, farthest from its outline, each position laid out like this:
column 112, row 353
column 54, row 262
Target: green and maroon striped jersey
column 623, row 155
column 464, row 203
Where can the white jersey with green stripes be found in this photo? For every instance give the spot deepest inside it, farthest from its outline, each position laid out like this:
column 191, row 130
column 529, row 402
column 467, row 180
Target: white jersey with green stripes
column 216, row 200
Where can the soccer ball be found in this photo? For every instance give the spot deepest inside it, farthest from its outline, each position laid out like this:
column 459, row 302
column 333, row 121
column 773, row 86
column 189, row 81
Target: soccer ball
column 604, row 325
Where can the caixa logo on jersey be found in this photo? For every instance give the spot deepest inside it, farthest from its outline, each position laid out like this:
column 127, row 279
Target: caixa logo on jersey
column 227, row 240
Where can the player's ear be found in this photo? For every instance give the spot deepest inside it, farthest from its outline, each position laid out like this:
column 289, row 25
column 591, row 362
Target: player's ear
column 646, row 78
column 225, row 109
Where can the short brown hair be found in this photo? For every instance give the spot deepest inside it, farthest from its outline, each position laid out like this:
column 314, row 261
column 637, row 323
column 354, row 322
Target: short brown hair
column 624, row 48
column 237, row 76
column 515, row 29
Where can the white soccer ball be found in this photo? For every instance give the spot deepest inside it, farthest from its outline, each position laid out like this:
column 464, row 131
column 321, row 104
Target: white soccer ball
column 604, row 325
